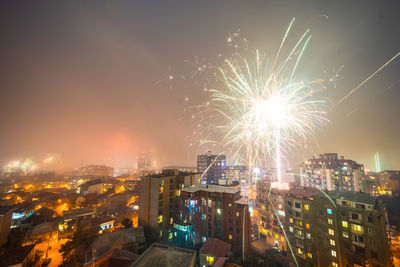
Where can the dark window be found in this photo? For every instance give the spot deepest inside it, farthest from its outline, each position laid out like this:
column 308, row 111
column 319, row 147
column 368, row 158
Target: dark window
column 360, row 206
column 230, row 220
column 370, row 219
column 297, row 205
column 374, row 254
column 289, row 203
column 354, row 216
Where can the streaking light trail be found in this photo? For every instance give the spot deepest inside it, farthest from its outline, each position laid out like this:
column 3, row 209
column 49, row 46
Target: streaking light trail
column 366, row 80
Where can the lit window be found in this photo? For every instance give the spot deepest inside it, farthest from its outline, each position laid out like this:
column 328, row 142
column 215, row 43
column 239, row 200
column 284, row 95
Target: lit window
column 306, row 207
column 203, row 217
column 345, row 234
column 329, row 211
column 210, row 260
column 300, row 251
column 230, row 237
column 299, row 232
column 219, row 211
column 357, row 228
column 291, row 220
column 237, row 214
column 230, row 205
column 332, row 242
column 345, row 224
column 330, row 221
column 331, row 232
column 307, row 225
column 203, row 239
column 160, row 218
column 309, row 255
column 291, row 229
column 333, row 253
column 334, row 264
column 308, row 235
column 170, row 236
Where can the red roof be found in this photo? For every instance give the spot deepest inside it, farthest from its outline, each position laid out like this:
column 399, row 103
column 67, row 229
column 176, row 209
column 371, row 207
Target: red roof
column 216, row 247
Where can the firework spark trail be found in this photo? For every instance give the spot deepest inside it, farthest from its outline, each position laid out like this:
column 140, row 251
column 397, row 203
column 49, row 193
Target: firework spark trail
column 256, row 104
column 361, row 106
column 366, row 80
column 209, row 166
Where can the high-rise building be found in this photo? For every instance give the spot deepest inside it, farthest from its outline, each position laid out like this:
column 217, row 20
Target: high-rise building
column 145, row 164
column 371, row 181
column 213, row 167
column 300, row 226
column 159, row 200
column 237, row 173
column 328, row 172
column 336, row 228
column 217, row 211
column 269, row 211
column 389, row 182
column 241, row 174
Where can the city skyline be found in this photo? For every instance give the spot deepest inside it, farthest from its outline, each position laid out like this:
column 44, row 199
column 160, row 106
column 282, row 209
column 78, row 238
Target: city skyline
column 90, row 82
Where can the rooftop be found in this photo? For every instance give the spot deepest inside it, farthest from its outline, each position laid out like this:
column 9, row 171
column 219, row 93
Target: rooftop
column 101, row 220
column 210, row 188
column 359, row 197
column 303, row 192
column 15, row 256
column 216, row 247
column 241, row 201
column 5, row 209
column 70, row 214
column 43, row 228
column 158, row 255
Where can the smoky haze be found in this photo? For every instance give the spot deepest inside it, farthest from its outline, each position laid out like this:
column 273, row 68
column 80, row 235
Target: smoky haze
column 82, row 80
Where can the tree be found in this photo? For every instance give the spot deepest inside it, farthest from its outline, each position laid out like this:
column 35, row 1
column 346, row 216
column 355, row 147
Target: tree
column 127, row 223
column 74, row 250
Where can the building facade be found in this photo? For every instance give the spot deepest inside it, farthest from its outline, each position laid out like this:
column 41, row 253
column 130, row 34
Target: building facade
column 213, row 167
column 6, row 213
column 328, row 172
column 336, row 228
column 145, row 164
column 389, row 182
column 217, row 212
column 269, row 212
column 158, row 203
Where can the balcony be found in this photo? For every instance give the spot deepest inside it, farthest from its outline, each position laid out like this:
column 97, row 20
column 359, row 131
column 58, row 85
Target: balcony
column 359, row 244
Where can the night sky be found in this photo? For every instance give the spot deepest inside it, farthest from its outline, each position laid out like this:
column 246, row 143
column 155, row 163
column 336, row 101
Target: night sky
column 85, row 79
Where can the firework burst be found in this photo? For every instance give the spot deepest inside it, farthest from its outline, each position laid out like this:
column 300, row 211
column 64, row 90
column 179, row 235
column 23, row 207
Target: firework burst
column 260, row 107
